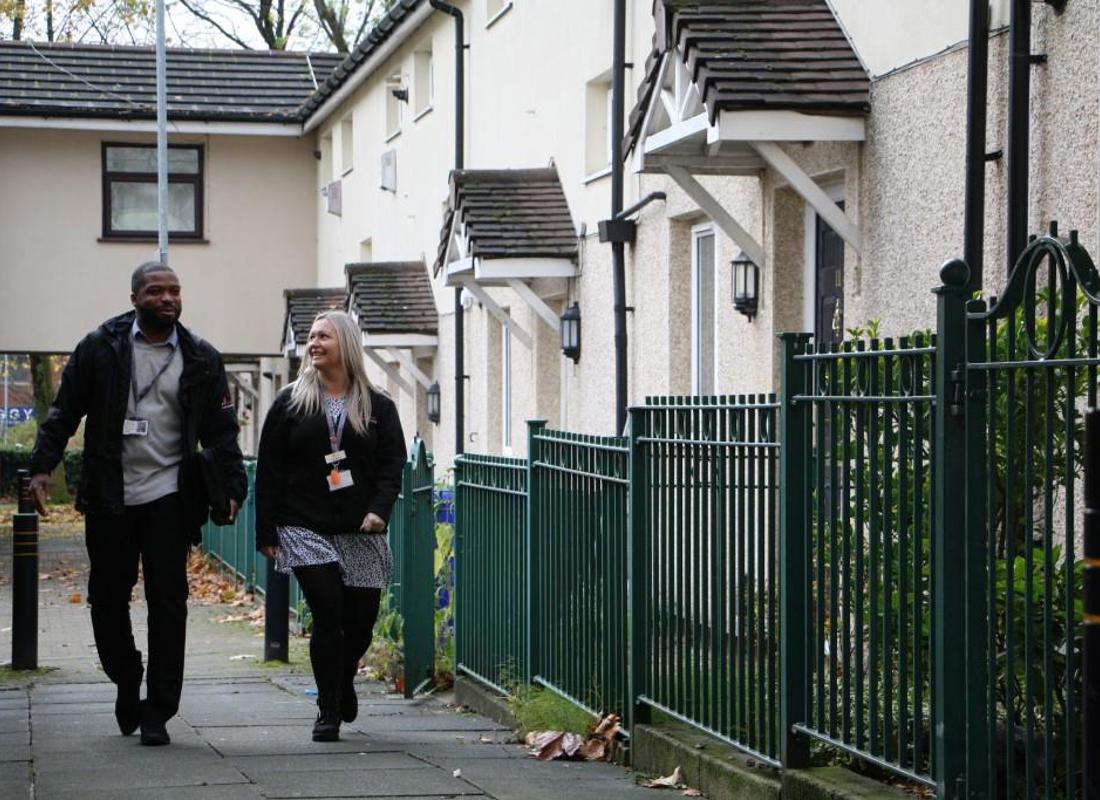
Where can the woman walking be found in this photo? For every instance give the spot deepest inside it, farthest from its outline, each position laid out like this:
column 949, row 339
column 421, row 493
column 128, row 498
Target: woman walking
column 328, row 473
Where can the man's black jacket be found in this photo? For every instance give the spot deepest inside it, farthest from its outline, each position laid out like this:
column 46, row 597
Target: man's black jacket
column 291, row 472
column 96, row 383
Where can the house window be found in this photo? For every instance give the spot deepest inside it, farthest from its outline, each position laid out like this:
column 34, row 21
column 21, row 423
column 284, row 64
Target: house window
column 597, row 124
column 393, row 106
column 347, row 145
column 366, row 251
column 130, row 191
column 704, row 332
column 327, row 171
column 424, row 77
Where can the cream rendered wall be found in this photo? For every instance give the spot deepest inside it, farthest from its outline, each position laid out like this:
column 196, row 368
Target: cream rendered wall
column 60, row 281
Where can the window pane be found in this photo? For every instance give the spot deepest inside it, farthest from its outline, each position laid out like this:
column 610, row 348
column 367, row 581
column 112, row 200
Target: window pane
column 134, row 207
column 704, row 335
column 144, row 159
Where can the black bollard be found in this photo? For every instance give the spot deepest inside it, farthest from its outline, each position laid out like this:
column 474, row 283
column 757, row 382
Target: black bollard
column 24, row 583
column 276, row 615
column 1091, row 705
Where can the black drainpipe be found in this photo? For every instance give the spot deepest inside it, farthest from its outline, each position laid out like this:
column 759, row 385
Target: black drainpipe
column 618, row 79
column 1019, row 111
column 460, row 111
column 976, row 94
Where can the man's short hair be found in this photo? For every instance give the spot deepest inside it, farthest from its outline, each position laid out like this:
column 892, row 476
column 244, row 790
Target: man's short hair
column 145, row 270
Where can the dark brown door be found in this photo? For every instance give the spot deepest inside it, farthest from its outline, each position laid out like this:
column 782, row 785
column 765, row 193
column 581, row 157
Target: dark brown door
column 829, row 279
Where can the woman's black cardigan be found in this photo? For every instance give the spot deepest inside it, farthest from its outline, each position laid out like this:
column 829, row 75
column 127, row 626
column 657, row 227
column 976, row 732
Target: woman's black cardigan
column 291, row 473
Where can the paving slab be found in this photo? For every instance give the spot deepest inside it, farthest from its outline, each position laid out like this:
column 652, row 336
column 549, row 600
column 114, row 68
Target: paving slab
column 317, row 762
column 364, row 783
column 151, row 773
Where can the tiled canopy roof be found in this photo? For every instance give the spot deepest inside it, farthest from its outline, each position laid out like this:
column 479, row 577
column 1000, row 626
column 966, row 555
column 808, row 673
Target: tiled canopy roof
column 107, row 81
column 519, row 213
column 302, row 305
column 392, row 297
column 381, row 31
column 757, row 54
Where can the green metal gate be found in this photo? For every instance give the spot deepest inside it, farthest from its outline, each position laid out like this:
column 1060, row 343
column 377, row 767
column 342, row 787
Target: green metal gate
column 412, row 540
column 1016, row 415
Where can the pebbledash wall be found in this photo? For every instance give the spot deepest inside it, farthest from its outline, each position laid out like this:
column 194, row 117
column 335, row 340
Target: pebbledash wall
column 258, row 240
column 529, row 74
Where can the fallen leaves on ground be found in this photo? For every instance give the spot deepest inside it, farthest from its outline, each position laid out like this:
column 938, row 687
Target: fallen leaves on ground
column 59, row 515
column 599, row 745
column 208, row 586
column 673, row 781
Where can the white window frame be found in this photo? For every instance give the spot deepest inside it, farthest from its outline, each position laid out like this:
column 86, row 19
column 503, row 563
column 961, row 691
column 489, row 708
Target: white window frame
column 697, row 233
column 423, row 80
column 393, row 106
column 835, row 191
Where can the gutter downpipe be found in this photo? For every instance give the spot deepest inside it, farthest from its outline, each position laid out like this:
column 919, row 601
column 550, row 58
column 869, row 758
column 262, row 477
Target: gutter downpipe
column 460, row 146
column 1019, row 111
column 976, row 110
column 618, row 80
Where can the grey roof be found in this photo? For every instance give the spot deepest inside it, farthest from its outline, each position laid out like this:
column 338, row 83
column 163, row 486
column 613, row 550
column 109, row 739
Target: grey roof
column 302, row 305
column 757, row 54
column 517, row 213
column 392, row 297
column 382, row 30
column 108, row 81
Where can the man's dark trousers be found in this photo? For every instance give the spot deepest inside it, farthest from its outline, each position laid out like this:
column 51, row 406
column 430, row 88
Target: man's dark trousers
column 155, row 533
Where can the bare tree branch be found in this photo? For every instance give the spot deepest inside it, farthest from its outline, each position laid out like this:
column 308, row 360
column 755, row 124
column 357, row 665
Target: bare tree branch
column 231, row 35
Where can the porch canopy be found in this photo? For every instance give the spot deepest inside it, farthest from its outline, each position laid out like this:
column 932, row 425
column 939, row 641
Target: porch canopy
column 395, row 308
column 727, row 82
column 507, row 228
column 302, row 305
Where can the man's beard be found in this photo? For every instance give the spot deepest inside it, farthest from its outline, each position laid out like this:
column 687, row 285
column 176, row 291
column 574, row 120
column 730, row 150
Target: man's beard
column 151, row 320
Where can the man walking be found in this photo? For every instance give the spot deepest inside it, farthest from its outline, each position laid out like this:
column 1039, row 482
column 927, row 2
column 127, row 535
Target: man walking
column 152, row 392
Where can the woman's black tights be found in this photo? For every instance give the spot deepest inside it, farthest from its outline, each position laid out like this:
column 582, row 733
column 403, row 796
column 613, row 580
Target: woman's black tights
column 343, row 623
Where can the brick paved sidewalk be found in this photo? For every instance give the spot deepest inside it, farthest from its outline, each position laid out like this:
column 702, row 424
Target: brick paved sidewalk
column 244, row 729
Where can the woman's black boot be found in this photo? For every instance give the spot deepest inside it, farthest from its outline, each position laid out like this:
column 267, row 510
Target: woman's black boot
column 327, row 726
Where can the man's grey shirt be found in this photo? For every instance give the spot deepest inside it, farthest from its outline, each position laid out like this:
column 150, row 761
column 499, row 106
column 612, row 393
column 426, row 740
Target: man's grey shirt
column 150, row 464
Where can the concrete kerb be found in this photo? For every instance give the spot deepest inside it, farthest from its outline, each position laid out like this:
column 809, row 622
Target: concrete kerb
column 485, row 702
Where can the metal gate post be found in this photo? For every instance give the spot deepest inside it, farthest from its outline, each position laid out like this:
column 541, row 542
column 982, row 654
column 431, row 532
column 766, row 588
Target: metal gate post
column 949, row 534
column 638, row 583
column 534, row 428
column 1091, row 704
column 794, row 555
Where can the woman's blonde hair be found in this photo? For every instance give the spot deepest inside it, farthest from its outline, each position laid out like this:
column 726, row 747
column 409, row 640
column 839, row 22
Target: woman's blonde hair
column 307, row 392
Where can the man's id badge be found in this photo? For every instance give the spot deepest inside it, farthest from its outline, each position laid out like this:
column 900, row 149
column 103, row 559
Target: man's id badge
column 135, row 427
column 339, row 479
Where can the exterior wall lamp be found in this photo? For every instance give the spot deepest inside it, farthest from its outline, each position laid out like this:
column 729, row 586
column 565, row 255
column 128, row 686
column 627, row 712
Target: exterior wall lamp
column 433, row 403
column 571, row 333
column 400, row 94
column 746, row 284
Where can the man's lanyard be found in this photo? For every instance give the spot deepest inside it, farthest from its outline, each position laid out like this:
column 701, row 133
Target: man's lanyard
column 139, row 396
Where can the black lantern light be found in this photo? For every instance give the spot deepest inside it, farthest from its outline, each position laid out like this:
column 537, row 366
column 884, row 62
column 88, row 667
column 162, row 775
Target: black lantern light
column 746, row 284
column 571, row 333
column 433, row 403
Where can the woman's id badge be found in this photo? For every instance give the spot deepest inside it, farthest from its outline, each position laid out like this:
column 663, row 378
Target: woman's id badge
column 339, row 479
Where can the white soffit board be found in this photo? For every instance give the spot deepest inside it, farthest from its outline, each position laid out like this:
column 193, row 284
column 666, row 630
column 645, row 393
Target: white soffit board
column 388, row 340
column 459, row 270
column 789, row 126
column 505, row 269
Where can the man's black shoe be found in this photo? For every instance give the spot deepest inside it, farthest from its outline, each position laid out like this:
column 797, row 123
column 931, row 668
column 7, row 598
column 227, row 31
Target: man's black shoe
column 128, row 707
column 154, row 734
column 327, row 727
column 349, row 703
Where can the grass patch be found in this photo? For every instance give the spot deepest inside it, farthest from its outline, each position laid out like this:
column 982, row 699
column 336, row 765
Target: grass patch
column 9, row 675
column 539, row 709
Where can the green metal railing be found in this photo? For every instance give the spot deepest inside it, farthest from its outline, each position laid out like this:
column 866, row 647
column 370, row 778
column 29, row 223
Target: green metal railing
column 857, row 528
column 577, row 528
column 234, row 546
column 491, row 569
column 705, row 561
column 412, row 540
